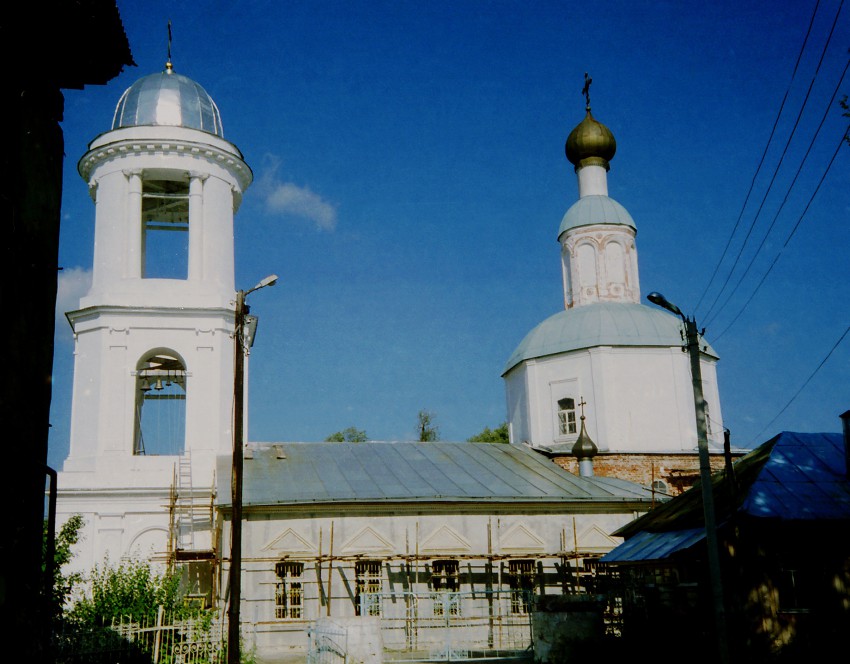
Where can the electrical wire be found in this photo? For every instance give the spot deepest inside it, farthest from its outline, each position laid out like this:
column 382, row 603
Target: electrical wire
column 785, row 200
column 803, row 386
column 844, row 138
column 776, row 170
column 763, row 156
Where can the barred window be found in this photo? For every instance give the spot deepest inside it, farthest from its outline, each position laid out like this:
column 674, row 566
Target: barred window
column 566, row 416
column 367, row 579
column 445, row 580
column 521, row 579
column 289, row 591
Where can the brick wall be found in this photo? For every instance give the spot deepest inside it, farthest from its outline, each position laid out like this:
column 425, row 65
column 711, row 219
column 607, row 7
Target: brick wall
column 678, row 472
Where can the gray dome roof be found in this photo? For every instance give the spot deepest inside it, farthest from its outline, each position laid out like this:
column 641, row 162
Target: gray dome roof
column 601, row 324
column 168, row 99
column 595, row 209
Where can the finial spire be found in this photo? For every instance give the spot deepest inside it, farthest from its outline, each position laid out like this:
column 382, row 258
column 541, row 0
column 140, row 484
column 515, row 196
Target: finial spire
column 168, row 66
column 586, row 91
column 584, row 448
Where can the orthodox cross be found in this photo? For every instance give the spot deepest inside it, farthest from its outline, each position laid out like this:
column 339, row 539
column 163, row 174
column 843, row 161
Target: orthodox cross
column 168, row 63
column 582, row 402
column 586, row 90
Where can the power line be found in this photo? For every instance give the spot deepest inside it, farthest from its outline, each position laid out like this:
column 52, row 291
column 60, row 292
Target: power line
column 790, row 235
column 785, row 200
column 803, row 386
column 776, row 170
column 764, row 154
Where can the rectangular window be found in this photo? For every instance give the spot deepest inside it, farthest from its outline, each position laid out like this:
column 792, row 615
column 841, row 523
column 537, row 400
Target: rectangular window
column 289, row 591
column 566, row 416
column 521, row 579
column 367, row 579
column 165, row 229
column 445, row 580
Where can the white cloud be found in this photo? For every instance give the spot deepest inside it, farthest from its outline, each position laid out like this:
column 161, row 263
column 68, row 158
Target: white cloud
column 287, row 198
column 72, row 284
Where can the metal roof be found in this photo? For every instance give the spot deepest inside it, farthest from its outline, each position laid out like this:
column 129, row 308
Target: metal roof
column 654, row 546
column 792, row 478
column 804, row 478
column 602, row 324
column 168, row 98
column 316, row 473
column 595, row 209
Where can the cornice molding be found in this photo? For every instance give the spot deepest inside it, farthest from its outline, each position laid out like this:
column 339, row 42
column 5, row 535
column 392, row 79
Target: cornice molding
column 166, row 147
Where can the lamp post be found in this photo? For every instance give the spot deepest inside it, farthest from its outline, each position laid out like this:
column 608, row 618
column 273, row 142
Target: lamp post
column 233, row 631
column 692, row 342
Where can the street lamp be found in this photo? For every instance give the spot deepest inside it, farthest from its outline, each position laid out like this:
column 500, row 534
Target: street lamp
column 692, row 341
column 242, row 310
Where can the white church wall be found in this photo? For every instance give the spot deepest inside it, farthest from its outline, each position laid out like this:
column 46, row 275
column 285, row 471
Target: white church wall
column 637, row 399
column 517, row 389
column 116, row 525
column 404, row 540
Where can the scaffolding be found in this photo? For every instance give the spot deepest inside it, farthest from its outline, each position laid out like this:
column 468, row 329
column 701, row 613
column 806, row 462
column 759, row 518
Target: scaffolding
column 191, row 536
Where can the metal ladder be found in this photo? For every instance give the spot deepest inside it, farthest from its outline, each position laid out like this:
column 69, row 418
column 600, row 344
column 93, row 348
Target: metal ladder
column 185, row 507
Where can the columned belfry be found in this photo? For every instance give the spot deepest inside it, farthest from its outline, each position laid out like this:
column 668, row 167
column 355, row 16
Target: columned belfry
column 153, row 374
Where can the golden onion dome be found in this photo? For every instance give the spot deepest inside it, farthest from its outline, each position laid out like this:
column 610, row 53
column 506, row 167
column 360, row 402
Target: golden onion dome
column 591, row 143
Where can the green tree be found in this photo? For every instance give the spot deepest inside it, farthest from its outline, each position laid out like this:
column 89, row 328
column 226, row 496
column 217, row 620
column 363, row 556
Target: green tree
column 63, row 584
column 425, row 427
column 130, row 588
column 349, row 435
column 488, row 435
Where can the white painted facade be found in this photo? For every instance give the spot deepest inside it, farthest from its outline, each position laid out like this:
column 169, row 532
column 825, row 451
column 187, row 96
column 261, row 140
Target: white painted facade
column 484, row 541
column 637, row 400
column 161, row 325
column 153, row 372
column 623, row 359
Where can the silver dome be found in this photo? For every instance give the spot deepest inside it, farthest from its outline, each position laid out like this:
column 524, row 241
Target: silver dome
column 168, row 99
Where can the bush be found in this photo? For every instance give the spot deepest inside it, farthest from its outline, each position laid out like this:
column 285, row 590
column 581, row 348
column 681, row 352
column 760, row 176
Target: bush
column 131, row 588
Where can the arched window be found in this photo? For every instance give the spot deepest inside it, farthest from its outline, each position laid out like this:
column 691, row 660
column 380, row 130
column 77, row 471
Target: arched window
column 160, row 422
column 587, row 266
column 615, row 264
column 566, row 416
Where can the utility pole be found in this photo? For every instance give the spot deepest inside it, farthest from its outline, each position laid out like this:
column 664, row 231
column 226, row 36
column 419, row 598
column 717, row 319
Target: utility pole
column 712, row 545
column 233, row 609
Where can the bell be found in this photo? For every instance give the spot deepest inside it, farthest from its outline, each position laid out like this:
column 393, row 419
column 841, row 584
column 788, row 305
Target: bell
column 158, row 385
column 146, row 386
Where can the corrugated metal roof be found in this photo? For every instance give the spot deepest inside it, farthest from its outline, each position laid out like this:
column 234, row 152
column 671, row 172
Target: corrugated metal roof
column 793, row 477
column 299, row 473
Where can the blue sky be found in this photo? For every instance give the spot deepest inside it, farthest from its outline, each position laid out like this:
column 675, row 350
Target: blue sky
column 410, row 180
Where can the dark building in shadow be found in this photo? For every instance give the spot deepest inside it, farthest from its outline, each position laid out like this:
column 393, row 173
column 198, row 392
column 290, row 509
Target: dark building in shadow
column 48, row 47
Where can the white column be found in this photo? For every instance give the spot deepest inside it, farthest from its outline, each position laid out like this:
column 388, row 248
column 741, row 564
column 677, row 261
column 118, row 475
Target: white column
column 218, row 235
column 196, row 226
column 135, row 246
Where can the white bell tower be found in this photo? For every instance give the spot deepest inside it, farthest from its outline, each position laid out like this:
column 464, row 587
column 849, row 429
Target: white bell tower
column 153, row 372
